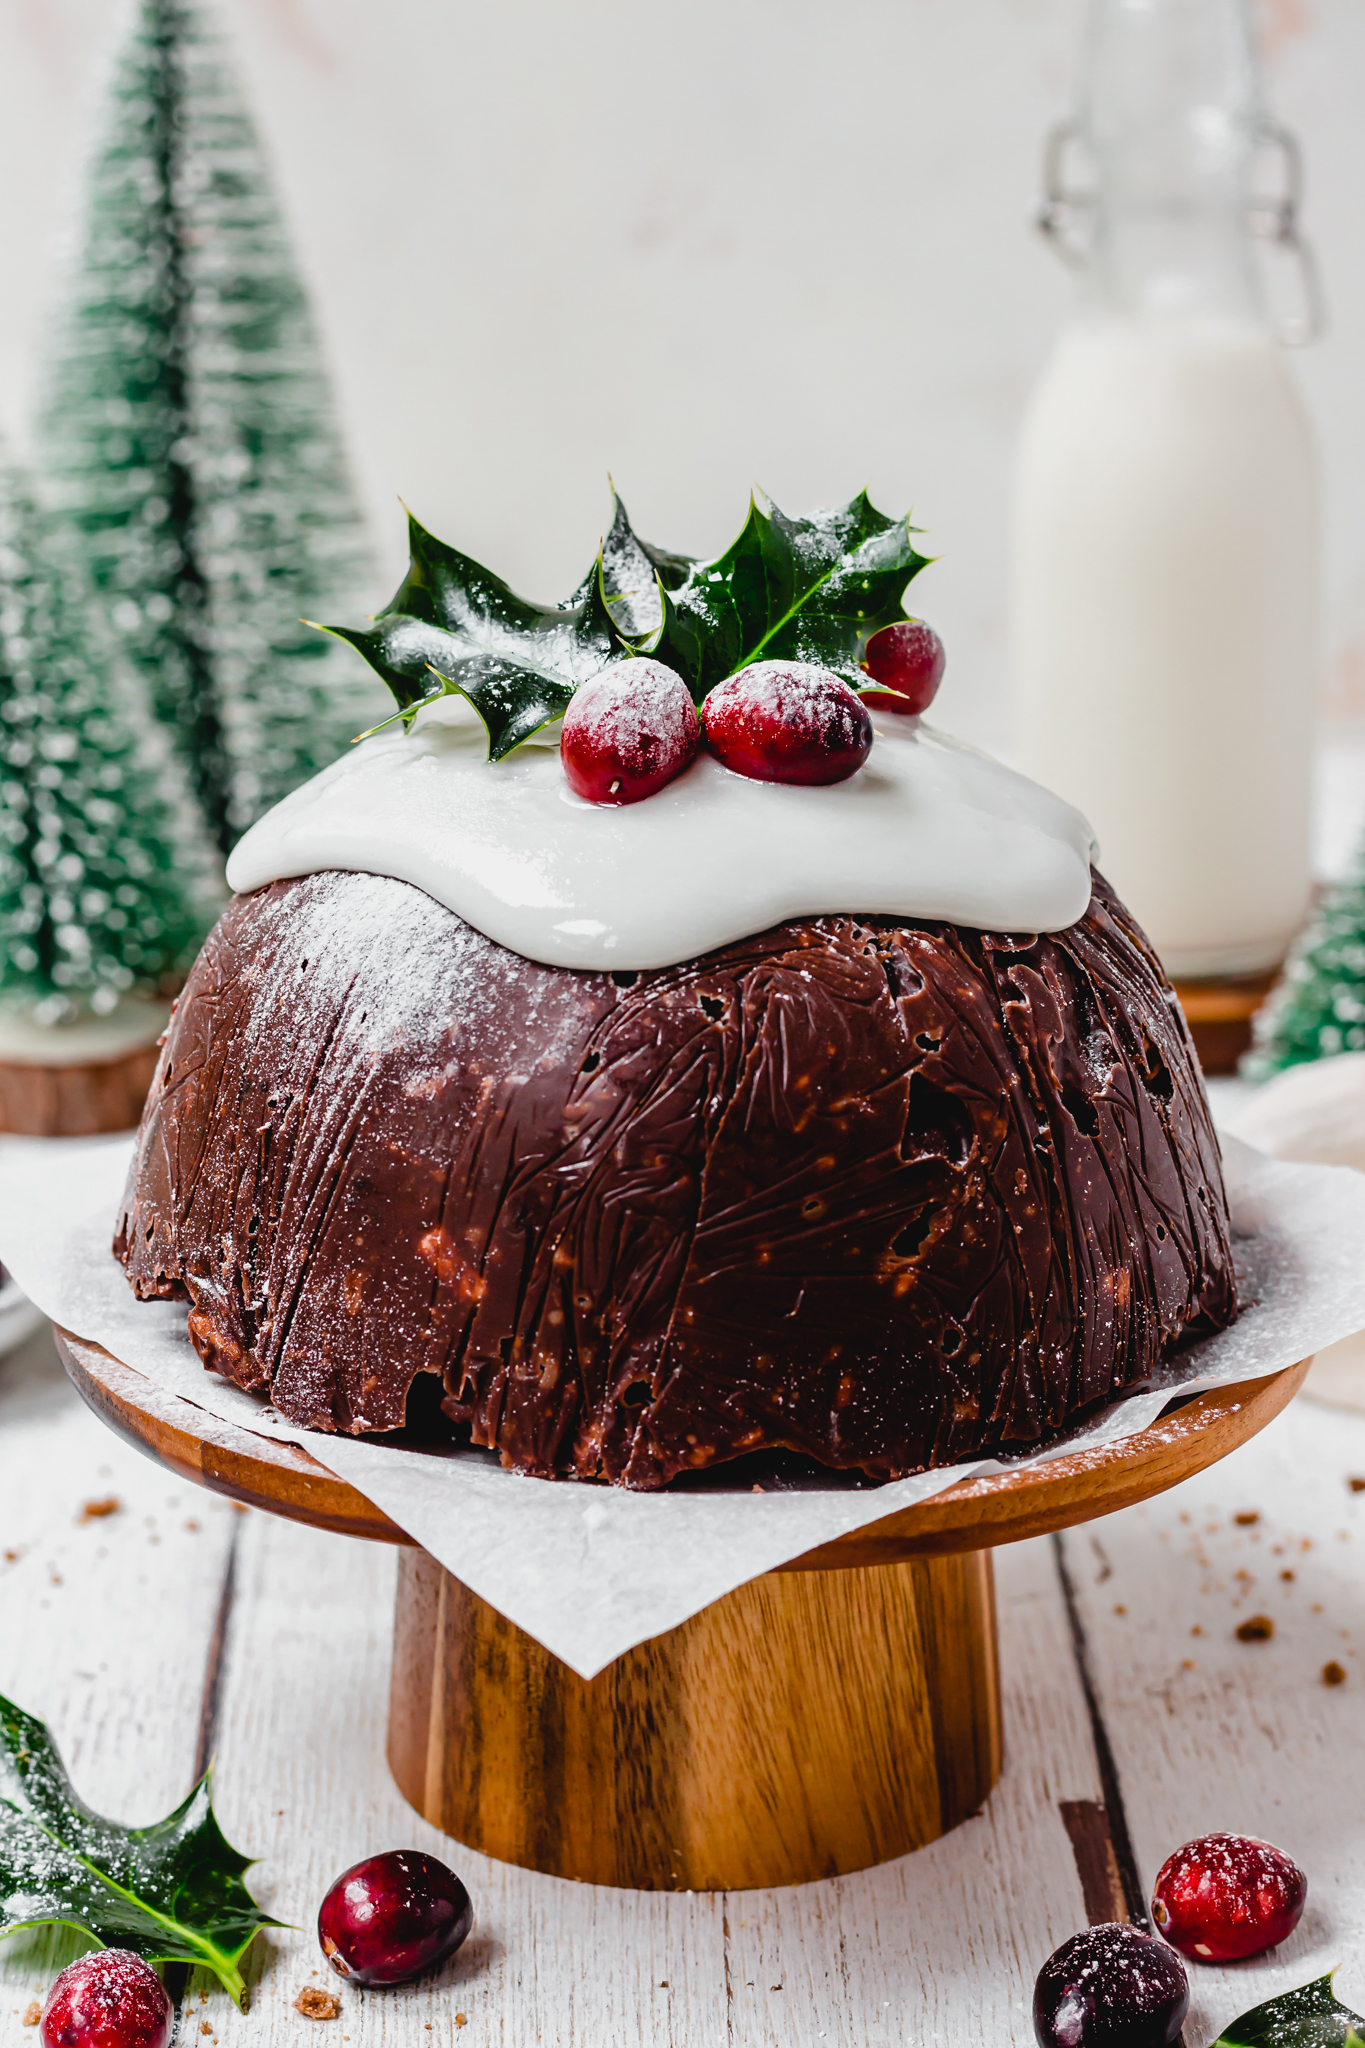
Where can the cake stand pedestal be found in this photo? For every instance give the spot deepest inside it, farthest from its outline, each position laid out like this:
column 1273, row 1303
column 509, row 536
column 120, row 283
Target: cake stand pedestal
column 825, row 1717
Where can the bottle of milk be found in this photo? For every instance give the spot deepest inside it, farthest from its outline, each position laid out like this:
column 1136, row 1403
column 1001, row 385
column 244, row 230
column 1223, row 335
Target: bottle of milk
column 1165, row 548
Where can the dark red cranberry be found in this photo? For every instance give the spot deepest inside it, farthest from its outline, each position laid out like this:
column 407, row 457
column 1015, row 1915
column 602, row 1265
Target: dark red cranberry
column 1110, row 1987
column 391, row 1917
column 628, row 732
column 787, row 721
column 1224, row 1897
column 108, row 1999
column 907, row 659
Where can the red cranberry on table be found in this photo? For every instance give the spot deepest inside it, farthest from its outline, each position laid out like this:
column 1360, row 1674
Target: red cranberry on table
column 391, row 1917
column 628, row 732
column 108, row 1999
column 1110, row 1987
column 1223, row 1897
column 787, row 721
column 907, row 659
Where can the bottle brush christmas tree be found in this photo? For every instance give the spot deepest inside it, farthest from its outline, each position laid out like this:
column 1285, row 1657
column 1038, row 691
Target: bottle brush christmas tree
column 1318, row 1007
column 188, row 435
column 105, row 887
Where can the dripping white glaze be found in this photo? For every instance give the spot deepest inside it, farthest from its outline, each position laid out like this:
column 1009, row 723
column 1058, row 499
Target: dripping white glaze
column 928, row 828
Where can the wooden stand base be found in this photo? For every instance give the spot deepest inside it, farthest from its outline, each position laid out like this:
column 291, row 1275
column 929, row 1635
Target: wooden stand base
column 837, row 1712
column 808, row 1724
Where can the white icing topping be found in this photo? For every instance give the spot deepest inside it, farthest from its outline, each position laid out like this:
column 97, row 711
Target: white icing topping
column 928, row 828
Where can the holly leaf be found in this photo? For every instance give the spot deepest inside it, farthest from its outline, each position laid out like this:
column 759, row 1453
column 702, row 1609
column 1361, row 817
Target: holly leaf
column 633, row 576
column 812, row 590
column 1311, row 2017
column 455, row 629
column 173, row 1893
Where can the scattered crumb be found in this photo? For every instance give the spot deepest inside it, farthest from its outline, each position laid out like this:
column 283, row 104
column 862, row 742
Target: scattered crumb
column 317, row 2005
column 96, row 1510
column 776, row 1987
column 1120, row 1610
column 56, row 1579
column 1356, row 1485
column 1317, row 1607
column 1286, row 1575
column 1187, row 1664
column 34, row 2011
column 462, row 2019
column 1333, row 1674
column 193, row 1528
column 1257, row 1628
column 206, row 2026
column 13, row 1556
column 1198, row 1629
column 1248, row 1518
column 663, row 1983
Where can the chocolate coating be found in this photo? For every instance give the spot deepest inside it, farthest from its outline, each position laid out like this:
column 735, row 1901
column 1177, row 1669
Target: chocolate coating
column 884, row 1194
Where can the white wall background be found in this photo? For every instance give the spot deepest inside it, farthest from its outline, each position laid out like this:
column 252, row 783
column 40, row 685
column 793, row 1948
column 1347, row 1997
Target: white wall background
column 697, row 244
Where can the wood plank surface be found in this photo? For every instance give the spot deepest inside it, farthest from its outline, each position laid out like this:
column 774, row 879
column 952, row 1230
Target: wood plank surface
column 939, row 1947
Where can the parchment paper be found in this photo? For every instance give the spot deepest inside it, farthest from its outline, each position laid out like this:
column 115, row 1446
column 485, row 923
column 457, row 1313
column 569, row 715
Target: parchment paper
column 590, row 1570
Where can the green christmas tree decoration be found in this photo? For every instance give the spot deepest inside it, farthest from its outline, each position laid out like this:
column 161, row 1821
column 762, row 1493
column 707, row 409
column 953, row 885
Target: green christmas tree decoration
column 188, row 437
column 1318, row 1007
column 106, row 888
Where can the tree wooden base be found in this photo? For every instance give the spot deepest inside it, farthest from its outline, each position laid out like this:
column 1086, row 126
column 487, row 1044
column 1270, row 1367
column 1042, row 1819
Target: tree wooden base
column 1220, row 1013
column 808, row 1724
column 75, row 1101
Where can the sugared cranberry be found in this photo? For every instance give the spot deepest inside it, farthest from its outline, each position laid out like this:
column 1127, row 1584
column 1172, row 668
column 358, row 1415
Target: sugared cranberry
column 628, row 732
column 1224, row 1897
column 391, row 1917
column 907, row 659
column 109, row 1999
column 1110, row 1987
column 787, row 721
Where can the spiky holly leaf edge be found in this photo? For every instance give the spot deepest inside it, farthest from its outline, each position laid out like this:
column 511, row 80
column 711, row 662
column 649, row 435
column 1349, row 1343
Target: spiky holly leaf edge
column 57, row 1856
column 455, row 629
column 1311, row 2016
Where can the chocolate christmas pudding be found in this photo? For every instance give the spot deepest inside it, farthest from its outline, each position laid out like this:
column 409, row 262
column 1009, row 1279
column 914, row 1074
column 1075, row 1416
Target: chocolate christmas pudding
column 662, row 1046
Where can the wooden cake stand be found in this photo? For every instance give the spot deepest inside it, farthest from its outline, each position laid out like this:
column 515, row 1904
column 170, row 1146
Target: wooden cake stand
column 828, row 1716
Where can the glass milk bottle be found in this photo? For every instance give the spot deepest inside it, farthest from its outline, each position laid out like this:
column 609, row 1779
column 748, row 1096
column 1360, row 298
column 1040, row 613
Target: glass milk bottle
column 1164, row 548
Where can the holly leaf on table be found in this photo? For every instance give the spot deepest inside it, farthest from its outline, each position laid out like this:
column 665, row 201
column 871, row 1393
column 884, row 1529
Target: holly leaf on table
column 812, row 590
column 1310, row 2017
column 173, row 1892
column 455, row 629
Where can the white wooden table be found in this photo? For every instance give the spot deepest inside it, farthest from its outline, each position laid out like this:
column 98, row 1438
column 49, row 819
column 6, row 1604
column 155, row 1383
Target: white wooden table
column 179, row 1626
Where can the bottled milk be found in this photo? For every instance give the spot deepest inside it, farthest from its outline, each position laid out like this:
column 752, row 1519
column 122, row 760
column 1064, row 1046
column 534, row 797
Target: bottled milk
column 1164, row 532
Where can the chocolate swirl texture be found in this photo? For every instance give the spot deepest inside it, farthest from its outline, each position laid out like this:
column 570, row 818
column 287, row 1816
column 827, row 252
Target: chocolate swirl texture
column 886, row 1194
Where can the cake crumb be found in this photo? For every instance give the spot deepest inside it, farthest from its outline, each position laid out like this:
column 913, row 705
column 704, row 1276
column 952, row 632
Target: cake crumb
column 34, row 2011
column 1333, row 1673
column 1286, row 1575
column 206, row 2026
column 1356, row 1485
column 1187, row 1664
column 317, row 2005
column 1257, row 1628
column 96, row 1510
column 462, row 2019
column 1248, row 1518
